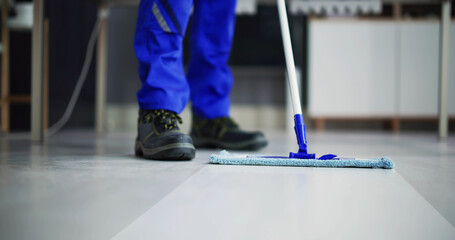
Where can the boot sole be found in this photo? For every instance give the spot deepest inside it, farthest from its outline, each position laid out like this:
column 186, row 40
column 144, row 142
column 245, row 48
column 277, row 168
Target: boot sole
column 254, row 144
column 174, row 151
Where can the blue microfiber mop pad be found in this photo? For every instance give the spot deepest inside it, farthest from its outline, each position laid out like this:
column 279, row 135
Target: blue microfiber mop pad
column 240, row 159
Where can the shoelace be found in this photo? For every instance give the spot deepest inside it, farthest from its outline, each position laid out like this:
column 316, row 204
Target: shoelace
column 168, row 118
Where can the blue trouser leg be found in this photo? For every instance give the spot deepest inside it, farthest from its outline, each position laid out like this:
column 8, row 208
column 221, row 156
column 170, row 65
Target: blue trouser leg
column 159, row 34
column 208, row 75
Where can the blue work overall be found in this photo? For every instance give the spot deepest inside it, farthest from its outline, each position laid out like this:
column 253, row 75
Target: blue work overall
column 160, row 30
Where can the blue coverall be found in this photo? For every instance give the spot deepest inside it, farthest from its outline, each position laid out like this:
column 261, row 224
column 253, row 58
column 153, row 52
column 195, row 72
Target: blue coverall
column 160, row 30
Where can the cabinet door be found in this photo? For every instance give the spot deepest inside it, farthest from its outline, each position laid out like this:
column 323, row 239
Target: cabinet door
column 352, row 68
column 419, row 61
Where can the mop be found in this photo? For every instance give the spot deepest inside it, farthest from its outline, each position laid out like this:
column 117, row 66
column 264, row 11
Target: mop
column 301, row 158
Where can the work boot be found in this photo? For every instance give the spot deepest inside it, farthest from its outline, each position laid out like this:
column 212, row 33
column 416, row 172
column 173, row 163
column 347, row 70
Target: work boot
column 224, row 133
column 160, row 138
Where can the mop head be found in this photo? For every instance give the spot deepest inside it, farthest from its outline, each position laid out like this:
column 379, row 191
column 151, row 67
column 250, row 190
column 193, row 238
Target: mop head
column 240, row 159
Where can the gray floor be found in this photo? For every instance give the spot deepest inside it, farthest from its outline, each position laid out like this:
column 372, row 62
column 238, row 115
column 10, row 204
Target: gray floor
column 82, row 186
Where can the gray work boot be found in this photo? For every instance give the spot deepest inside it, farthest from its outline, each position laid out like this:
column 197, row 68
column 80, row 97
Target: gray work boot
column 160, row 138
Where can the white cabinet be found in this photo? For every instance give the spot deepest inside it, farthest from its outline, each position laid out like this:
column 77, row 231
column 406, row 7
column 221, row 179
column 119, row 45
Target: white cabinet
column 352, row 68
column 452, row 71
column 418, row 77
column 375, row 68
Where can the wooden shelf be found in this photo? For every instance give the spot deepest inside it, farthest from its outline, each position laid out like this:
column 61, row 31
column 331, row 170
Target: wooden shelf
column 19, row 98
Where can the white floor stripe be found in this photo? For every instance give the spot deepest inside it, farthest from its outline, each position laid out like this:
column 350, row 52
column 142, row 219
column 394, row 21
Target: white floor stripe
column 247, row 202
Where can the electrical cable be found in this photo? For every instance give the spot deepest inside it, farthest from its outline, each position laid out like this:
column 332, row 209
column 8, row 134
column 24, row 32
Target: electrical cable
column 82, row 76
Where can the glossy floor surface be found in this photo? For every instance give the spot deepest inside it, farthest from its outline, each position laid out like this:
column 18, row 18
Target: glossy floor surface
column 82, row 186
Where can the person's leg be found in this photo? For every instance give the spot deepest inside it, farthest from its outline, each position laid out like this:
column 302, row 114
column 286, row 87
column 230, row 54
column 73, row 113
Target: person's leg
column 158, row 41
column 164, row 93
column 211, row 80
column 209, row 76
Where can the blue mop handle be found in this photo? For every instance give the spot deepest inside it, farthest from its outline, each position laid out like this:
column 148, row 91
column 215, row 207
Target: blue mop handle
column 300, row 132
column 299, row 128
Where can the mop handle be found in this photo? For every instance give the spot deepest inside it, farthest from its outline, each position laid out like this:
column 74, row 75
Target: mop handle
column 299, row 125
column 288, row 54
